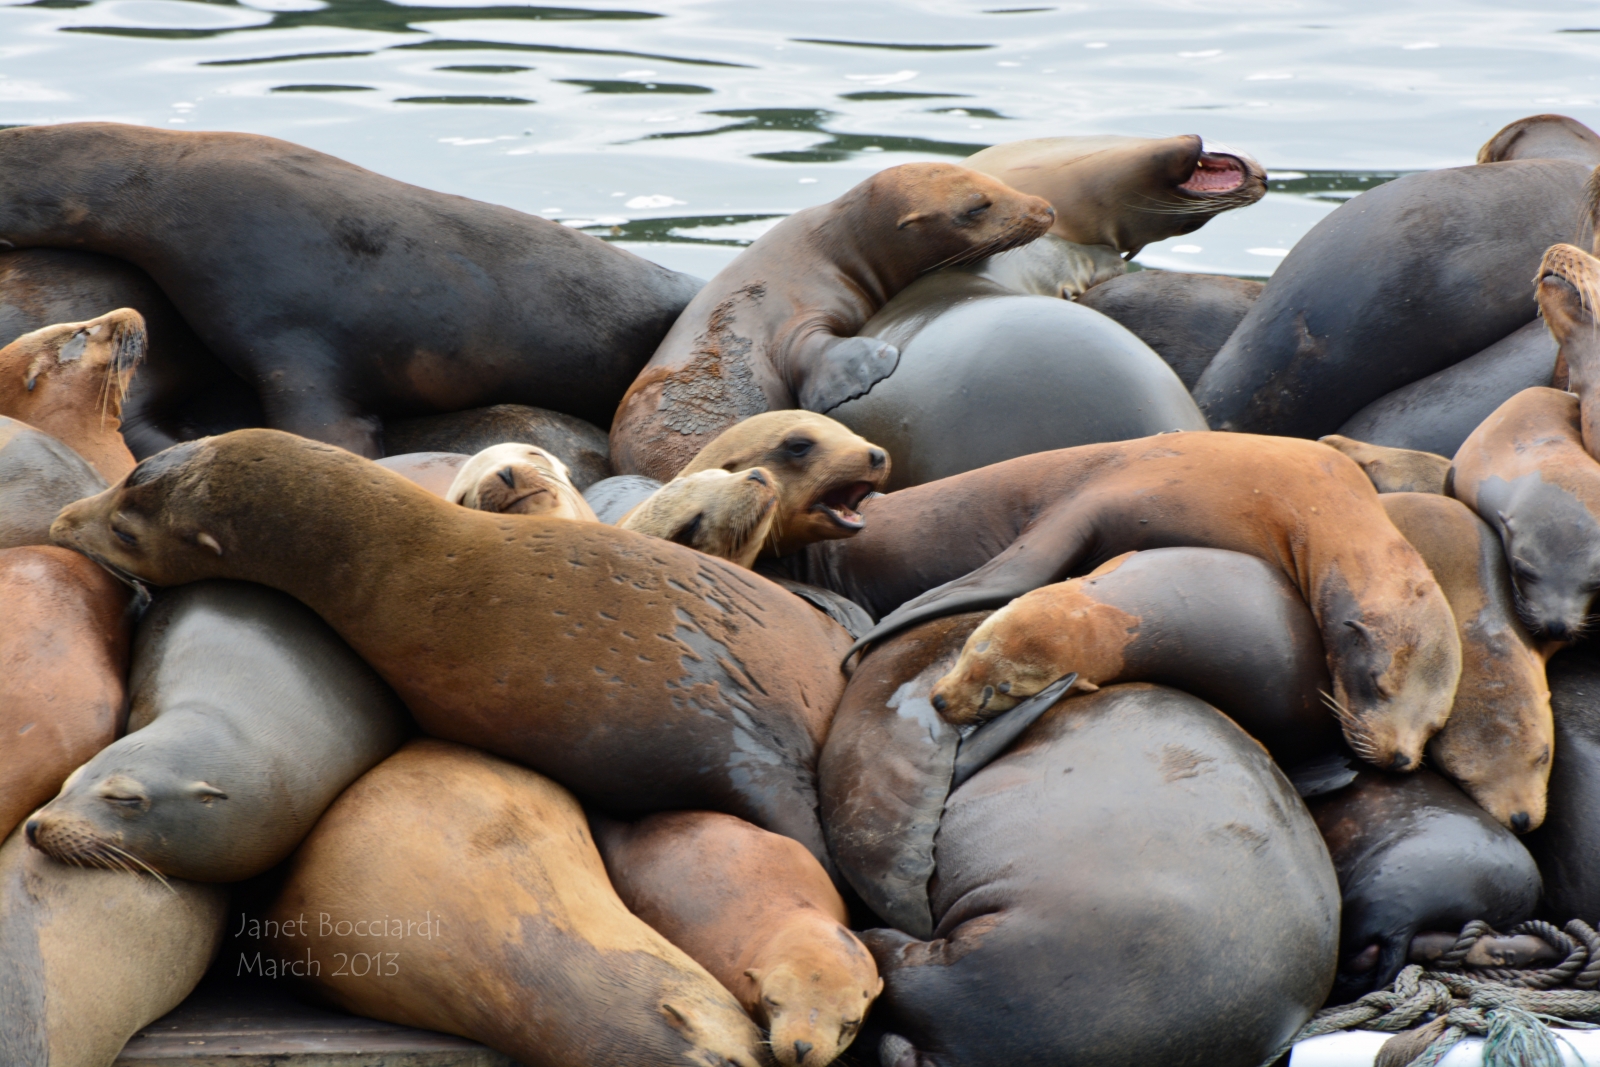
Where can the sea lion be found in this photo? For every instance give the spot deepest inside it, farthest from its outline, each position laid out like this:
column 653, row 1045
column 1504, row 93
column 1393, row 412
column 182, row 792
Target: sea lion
column 779, row 327
column 721, row 513
column 823, row 472
column 993, row 534
column 1185, row 318
column 758, row 912
column 182, row 391
column 1394, row 470
column 63, row 671
column 249, row 716
column 88, row 958
column 612, row 498
column 1117, row 939
column 495, row 922
column 1568, row 290
column 1437, row 413
column 986, row 375
column 38, row 477
column 1525, row 472
column 69, row 380
column 1542, row 137
column 516, row 479
column 1564, row 846
column 1496, row 744
column 434, row 471
column 1226, row 627
column 381, row 298
column 581, row 445
column 1125, row 192
column 1049, row 266
column 1395, row 284
column 644, row 675
column 1414, row 853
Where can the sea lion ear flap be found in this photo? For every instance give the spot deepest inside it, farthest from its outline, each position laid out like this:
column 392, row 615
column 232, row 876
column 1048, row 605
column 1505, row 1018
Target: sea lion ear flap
column 205, row 540
column 844, row 370
column 908, row 219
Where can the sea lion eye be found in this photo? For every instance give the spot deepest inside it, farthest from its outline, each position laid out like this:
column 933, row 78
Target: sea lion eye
column 125, row 537
column 686, row 532
column 798, row 446
column 1523, row 570
column 973, row 213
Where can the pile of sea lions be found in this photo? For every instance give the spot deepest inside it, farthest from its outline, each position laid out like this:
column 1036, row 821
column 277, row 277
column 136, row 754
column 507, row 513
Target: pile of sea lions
column 932, row 641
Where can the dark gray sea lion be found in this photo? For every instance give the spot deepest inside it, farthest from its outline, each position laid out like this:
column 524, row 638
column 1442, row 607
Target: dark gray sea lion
column 1437, row 413
column 363, row 297
column 581, row 445
column 1192, row 918
column 612, row 498
column 1567, row 846
column 1185, row 318
column 1414, row 853
column 38, row 477
column 249, row 716
column 1543, row 137
column 1396, row 284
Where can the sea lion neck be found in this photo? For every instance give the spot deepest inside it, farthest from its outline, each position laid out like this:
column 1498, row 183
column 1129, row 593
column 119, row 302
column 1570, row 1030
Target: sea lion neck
column 849, row 242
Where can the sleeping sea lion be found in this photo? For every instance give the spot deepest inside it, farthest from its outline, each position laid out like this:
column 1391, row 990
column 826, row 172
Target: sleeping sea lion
column 450, row 890
column 1185, row 318
column 779, row 327
column 249, row 717
column 1393, row 285
column 1526, row 473
column 1394, row 470
column 1543, row 137
column 38, row 477
column 980, row 539
column 63, row 671
column 612, row 498
column 1564, row 846
column 1569, row 292
column 1193, row 918
column 1497, row 742
column 1049, row 266
column 644, row 675
column 758, row 912
column 516, row 479
column 434, row 471
column 363, row 297
column 69, row 380
column 581, row 445
column 721, row 513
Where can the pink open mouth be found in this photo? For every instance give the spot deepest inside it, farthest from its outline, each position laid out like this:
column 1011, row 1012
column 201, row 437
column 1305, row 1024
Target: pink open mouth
column 840, row 504
column 1215, row 173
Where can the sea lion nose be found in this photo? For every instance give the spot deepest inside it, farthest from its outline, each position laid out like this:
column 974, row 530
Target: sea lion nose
column 878, row 457
column 1520, row 821
column 801, row 1048
column 1400, row 762
column 940, row 703
column 1557, row 631
column 757, row 476
column 508, row 476
column 31, row 829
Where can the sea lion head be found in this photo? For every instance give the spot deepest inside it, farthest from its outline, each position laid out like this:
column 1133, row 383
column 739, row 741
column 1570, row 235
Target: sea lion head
column 1568, row 291
column 1552, row 542
column 823, row 471
column 1126, row 192
column 1498, row 748
column 519, row 479
column 944, row 215
column 1542, row 137
column 815, row 992
column 721, row 513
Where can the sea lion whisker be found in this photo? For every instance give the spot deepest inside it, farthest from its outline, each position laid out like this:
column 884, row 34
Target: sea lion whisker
column 135, row 859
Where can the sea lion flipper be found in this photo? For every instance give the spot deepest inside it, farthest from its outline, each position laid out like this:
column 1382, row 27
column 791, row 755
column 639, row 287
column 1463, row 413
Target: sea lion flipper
column 980, row 748
column 846, row 369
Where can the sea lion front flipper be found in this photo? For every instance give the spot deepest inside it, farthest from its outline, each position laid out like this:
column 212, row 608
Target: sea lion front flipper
column 842, row 370
column 979, row 748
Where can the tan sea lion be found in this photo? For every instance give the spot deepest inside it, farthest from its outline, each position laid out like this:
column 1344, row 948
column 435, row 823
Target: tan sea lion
column 1050, row 266
column 1394, row 470
column 1497, row 744
column 1526, row 473
column 777, row 327
column 721, row 513
column 38, row 477
column 759, row 913
column 643, row 675
column 434, row 471
column 495, row 921
column 823, row 472
column 63, row 671
column 69, row 380
column 87, row 958
column 517, row 479
column 1542, row 137
column 1569, row 293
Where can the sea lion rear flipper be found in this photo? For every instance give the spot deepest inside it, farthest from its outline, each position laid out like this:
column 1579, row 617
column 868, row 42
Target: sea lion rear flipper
column 843, row 370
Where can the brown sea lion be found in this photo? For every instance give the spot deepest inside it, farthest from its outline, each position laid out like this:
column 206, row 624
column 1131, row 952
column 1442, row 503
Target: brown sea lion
column 248, row 717
column 516, row 479
column 38, row 477
column 1569, row 295
column 721, row 513
column 581, row 445
column 777, row 327
column 823, row 471
column 1125, row 192
column 1394, row 470
column 758, row 912
column 63, row 671
column 87, row 958
column 643, row 675
column 1186, row 318
column 1497, row 742
column 494, row 920
column 980, row 539
column 434, row 471
column 363, row 297
column 1542, row 137
column 69, row 380
column 1526, row 473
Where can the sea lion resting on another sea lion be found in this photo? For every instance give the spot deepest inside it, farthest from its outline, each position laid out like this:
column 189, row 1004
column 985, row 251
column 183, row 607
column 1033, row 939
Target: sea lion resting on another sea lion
column 434, row 471
column 38, row 477
column 721, row 513
column 69, row 381
column 777, row 327
column 1569, row 301
column 1394, row 470
column 496, row 922
column 517, row 479
column 644, row 675
column 581, row 445
column 756, row 911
